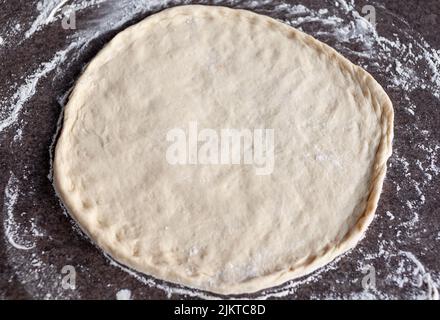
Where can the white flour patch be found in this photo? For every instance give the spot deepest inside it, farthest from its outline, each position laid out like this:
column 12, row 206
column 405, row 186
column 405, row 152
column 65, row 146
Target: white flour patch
column 123, row 294
column 390, row 215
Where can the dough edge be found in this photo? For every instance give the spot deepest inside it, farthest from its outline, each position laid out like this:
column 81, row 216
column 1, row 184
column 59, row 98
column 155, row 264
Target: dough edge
column 381, row 103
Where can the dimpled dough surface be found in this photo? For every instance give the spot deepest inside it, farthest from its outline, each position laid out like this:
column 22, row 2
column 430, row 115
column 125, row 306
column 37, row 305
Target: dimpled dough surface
column 222, row 228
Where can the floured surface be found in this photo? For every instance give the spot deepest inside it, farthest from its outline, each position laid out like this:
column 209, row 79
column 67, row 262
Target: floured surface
column 405, row 64
column 223, row 228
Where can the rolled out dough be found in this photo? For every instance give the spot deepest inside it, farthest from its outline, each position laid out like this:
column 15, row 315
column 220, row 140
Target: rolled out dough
column 223, row 228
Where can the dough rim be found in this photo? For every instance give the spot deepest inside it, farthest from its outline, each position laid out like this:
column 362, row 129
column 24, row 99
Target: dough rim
column 383, row 109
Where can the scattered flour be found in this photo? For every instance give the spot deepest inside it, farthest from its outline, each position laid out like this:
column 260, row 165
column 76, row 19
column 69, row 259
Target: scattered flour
column 48, row 9
column 409, row 64
column 11, row 228
column 10, row 110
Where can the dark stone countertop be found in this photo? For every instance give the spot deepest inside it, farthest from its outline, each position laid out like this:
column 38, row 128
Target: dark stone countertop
column 40, row 61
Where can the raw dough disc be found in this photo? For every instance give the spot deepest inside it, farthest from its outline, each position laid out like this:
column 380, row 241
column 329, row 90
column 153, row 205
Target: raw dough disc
column 223, row 228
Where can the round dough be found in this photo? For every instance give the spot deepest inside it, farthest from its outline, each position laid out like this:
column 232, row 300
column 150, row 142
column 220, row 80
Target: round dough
column 223, row 228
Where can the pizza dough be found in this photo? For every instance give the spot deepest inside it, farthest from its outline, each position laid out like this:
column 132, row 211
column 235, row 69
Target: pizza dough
column 222, row 227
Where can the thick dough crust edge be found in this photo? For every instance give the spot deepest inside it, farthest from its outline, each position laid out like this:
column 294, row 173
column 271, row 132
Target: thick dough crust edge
column 382, row 106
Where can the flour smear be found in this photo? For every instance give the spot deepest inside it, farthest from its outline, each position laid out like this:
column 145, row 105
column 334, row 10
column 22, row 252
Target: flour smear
column 408, row 64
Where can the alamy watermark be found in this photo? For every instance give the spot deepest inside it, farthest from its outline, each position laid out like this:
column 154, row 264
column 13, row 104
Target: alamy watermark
column 69, row 279
column 222, row 147
column 369, row 280
column 369, row 13
column 69, row 18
